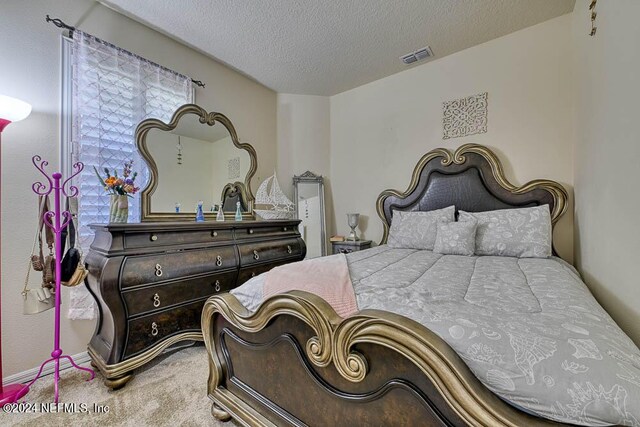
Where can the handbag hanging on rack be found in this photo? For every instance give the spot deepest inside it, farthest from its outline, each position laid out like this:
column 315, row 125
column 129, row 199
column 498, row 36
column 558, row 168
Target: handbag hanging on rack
column 73, row 270
column 41, row 298
column 45, row 264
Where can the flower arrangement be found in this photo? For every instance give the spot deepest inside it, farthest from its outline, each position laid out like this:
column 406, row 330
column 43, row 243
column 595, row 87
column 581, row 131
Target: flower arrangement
column 115, row 185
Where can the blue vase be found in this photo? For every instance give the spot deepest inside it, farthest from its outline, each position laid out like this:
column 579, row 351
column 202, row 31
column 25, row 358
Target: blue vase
column 199, row 213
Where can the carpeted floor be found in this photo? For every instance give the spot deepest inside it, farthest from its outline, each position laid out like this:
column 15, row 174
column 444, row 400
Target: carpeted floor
column 171, row 391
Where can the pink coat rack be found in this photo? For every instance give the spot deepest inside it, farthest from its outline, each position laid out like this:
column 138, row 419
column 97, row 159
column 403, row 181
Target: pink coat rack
column 57, row 220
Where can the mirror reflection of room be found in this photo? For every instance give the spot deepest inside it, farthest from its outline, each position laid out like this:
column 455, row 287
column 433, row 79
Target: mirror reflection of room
column 195, row 162
column 309, row 213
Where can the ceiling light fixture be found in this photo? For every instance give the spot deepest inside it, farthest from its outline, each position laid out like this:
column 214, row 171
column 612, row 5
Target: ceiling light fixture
column 418, row 55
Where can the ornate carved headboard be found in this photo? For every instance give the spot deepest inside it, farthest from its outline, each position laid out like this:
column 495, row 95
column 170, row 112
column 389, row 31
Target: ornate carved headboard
column 472, row 179
column 233, row 193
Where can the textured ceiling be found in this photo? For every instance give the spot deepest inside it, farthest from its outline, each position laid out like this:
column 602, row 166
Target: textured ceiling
column 324, row 47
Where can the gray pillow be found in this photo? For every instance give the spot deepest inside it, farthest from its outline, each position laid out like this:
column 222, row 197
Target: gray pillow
column 456, row 238
column 522, row 233
column 417, row 230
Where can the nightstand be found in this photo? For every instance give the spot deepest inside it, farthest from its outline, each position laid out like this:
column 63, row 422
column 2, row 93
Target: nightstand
column 349, row 246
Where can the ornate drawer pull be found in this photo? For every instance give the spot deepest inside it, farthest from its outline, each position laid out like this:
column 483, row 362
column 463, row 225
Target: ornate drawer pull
column 216, row 286
column 154, row 237
column 218, row 260
column 289, row 250
column 346, row 251
column 156, row 300
column 214, row 234
column 250, row 231
column 154, row 329
column 158, row 270
column 284, row 229
column 256, row 256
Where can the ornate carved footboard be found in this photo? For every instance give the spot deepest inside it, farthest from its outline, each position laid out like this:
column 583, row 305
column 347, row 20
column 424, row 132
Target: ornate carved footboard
column 295, row 362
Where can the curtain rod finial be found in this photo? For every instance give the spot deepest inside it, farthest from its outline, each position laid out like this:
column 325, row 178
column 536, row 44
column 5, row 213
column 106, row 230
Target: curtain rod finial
column 58, row 23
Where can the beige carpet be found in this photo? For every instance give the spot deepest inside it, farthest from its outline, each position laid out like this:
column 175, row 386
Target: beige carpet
column 171, row 391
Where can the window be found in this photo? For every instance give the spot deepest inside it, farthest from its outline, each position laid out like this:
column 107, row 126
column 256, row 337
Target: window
column 106, row 92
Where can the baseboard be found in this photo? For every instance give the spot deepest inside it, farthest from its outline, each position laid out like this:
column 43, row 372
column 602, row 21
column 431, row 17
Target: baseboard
column 28, row 375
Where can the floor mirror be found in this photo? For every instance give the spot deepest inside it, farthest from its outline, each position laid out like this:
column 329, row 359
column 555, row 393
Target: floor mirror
column 309, row 201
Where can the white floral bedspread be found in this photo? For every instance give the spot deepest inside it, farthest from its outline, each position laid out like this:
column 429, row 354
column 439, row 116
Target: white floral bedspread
column 528, row 328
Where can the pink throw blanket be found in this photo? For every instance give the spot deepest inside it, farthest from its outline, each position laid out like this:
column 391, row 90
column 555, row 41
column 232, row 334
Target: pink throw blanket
column 327, row 277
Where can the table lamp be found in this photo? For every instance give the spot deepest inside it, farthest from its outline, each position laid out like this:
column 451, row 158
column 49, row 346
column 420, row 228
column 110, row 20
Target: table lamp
column 11, row 110
column 352, row 220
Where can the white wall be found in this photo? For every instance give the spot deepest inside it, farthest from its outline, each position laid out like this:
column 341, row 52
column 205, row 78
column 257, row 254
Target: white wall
column 607, row 157
column 30, row 71
column 380, row 130
column 304, row 143
column 303, row 137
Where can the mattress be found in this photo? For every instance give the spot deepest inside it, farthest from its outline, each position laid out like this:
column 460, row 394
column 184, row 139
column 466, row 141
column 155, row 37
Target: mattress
column 528, row 328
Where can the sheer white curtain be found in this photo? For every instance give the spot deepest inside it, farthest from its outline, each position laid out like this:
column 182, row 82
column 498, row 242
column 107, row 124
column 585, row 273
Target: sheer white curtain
column 112, row 91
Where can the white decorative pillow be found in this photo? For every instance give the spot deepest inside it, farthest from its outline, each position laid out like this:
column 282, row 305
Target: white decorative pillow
column 522, row 233
column 456, row 238
column 417, row 230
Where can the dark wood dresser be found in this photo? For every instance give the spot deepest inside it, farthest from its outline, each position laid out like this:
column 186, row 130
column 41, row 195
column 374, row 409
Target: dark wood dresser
column 150, row 281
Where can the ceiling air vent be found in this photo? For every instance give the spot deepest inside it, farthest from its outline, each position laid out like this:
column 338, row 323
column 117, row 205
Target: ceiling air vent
column 416, row 56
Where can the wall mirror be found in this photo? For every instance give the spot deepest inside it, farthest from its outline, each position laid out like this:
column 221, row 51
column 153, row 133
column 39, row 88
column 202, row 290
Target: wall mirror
column 196, row 156
column 309, row 201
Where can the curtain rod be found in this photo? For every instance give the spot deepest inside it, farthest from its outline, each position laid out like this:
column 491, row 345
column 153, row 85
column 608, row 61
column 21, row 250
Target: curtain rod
column 60, row 24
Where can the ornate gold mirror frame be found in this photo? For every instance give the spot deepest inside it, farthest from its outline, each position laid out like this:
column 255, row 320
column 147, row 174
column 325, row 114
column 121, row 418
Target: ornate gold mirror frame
column 204, row 118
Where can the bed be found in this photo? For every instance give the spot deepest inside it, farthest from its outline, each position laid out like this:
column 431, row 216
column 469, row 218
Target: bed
column 292, row 360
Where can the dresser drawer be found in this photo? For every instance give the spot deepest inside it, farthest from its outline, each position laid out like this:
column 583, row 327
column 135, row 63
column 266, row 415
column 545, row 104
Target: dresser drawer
column 272, row 250
column 150, row 239
column 254, row 270
column 275, row 231
column 158, row 297
column 148, row 330
column 140, row 270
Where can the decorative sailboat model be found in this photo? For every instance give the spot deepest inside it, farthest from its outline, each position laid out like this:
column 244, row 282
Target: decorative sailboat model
column 269, row 195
